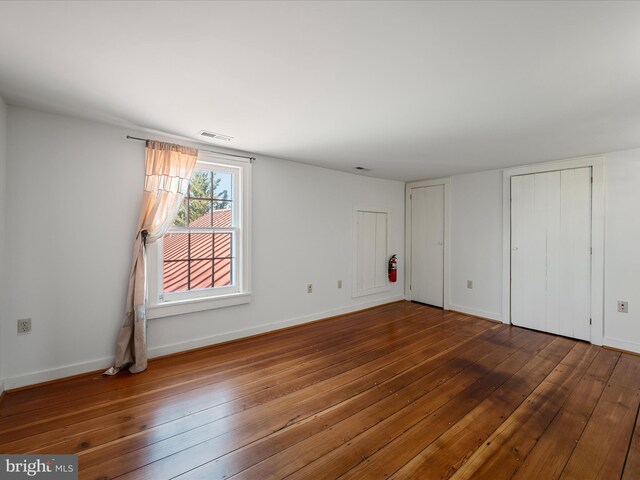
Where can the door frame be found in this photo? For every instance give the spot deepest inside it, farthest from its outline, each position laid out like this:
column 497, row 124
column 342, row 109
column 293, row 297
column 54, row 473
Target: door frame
column 597, row 164
column 446, row 182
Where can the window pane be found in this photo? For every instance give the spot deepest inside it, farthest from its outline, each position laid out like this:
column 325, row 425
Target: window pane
column 222, row 214
column 200, row 185
column 199, row 254
column 200, row 213
column 175, row 276
column 176, row 246
column 222, row 185
column 222, row 273
column 201, row 245
column 181, row 219
column 201, row 274
column 222, row 245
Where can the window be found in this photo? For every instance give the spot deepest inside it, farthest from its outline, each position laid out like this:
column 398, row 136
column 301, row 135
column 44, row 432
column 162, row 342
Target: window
column 202, row 261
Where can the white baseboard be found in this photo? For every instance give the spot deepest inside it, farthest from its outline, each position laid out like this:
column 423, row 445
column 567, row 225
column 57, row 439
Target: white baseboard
column 477, row 313
column 266, row 327
column 55, row 373
column 106, row 362
column 621, row 344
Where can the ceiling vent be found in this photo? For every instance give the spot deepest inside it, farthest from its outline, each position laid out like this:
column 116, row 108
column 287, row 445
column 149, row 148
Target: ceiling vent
column 217, row 136
column 363, row 169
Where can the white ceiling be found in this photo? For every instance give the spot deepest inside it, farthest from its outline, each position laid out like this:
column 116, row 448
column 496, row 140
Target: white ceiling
column 412, row 90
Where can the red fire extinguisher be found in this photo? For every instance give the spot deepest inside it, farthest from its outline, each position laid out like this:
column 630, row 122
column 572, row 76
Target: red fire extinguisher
column 393, row 269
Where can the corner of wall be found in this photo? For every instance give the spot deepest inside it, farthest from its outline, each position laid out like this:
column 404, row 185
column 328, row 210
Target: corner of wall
column 3, row 206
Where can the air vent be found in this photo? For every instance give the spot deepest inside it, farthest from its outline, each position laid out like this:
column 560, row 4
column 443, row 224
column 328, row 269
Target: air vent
column 363, row 169
column 217, row 136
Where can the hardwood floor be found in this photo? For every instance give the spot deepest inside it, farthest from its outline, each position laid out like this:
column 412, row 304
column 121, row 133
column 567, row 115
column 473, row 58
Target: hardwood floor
column 400, row 391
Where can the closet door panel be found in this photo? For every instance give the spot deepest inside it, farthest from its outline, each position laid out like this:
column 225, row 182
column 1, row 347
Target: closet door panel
column 419, row 272
column 435, row 245
column 518, row 227
column 575, row 253
column 553, row 223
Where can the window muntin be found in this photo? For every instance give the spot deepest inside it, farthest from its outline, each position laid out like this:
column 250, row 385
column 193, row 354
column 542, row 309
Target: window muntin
column 197, row 260
column 199, row 255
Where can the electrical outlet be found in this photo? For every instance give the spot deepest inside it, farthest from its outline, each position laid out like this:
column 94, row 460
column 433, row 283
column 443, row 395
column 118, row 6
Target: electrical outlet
column 469, row 283
column 24, row 326
column 623, row 306
column 309, row 288
column 339, row 283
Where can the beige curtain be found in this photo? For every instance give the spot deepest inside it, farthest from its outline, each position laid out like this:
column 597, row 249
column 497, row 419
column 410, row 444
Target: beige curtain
column 169, row 169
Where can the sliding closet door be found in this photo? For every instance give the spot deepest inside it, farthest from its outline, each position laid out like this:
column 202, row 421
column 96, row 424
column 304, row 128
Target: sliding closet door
column 551, row 252
column 427, row 245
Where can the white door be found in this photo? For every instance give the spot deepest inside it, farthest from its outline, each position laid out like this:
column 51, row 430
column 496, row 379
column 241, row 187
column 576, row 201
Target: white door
column 551, row 252
column 427, row 245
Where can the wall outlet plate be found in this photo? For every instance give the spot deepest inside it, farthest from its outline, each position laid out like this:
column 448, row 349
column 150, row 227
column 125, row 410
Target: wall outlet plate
column 339, row 283
column 623, row 306
column 469, row 283
column 309, row 288
column 24, row 326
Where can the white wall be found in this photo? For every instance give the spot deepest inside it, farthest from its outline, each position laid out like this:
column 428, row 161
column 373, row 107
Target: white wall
column 73, row 193
column 3, row 176
column 476, row 250
column 622, row 249
column 476, row 243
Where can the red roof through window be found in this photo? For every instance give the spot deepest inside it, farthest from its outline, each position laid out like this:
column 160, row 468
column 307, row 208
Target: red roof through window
column 204, row 258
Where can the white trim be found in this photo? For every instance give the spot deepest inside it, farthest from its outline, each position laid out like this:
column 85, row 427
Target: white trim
column 621, row 344
column 104, row 363
column 199, row 294
column 179, row 307
column 355, row 293
column 446, row 182
column 56, row 373
column 215, row 157
column 266, row 327
column 477, row 313
column 597, row 164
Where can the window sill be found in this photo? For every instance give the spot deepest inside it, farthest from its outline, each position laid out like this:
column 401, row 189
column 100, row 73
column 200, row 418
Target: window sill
column 179, row 307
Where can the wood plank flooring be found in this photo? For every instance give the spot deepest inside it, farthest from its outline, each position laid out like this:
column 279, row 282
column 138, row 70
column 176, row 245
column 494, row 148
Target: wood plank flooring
column 400, row 391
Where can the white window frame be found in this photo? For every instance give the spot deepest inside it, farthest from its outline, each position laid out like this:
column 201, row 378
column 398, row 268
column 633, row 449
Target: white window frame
column 164, row 305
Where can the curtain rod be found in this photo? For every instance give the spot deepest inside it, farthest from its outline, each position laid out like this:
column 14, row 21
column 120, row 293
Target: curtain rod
column 204, row 150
